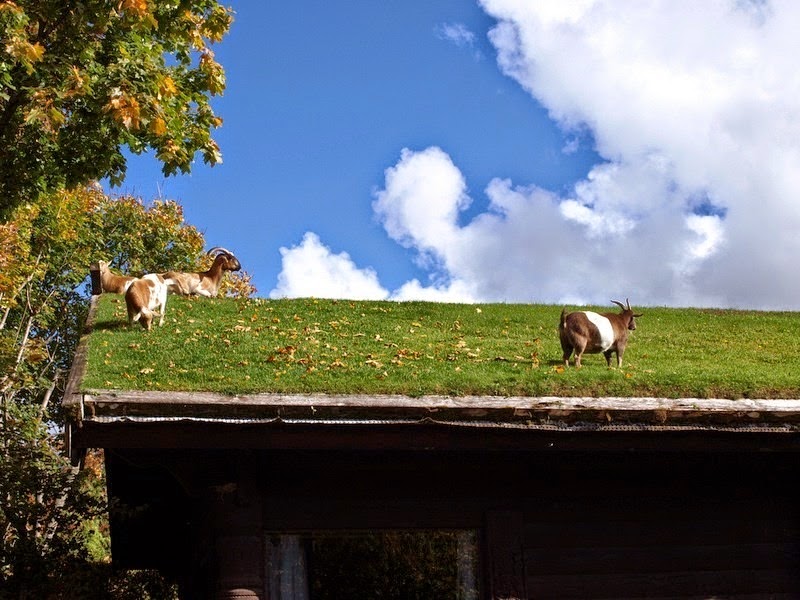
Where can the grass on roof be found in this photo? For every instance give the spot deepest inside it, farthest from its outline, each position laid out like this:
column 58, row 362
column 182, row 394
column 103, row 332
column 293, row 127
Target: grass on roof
column 419, row 348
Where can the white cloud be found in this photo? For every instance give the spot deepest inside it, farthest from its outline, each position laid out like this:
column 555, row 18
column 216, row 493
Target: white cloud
column 456, row 33
column 420, row 204
column 683, row 99
column 312, row 270
column 693, row 108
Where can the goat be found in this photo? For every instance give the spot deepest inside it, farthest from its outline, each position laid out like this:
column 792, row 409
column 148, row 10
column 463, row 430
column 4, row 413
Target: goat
column 111, row 282
column 590, row 332
column 205, row 283
column 147, row 298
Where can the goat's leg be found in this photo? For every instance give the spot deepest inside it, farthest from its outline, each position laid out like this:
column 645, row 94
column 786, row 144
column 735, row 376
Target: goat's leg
column 567, row 354
column 620, row 351
column 162, row 310
column 580, row 348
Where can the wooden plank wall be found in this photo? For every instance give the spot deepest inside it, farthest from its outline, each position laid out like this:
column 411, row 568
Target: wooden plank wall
column 726, row 529
column 603, row 524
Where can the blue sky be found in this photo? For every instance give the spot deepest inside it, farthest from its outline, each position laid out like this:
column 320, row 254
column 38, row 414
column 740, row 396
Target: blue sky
column 505, row 151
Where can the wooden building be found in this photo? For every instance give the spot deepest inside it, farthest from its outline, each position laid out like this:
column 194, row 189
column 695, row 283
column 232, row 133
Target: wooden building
column 269, row 496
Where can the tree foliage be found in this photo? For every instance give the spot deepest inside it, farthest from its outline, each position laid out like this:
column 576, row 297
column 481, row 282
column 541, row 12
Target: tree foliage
column 80, row 81
column 51, row 516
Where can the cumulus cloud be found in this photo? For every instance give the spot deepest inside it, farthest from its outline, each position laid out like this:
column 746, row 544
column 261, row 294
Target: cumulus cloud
column 313, row 270
column 684, row 100
column 693, row 109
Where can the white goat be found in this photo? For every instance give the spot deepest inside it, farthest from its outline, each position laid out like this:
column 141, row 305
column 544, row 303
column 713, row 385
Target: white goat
column 146, row 298
column 111, row 282
column 205, row 283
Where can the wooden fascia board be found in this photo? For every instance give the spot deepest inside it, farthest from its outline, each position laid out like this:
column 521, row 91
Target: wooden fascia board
column 321, row 408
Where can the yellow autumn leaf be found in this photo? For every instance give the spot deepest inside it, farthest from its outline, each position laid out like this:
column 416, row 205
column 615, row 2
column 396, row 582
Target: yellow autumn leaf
column 167, row 87
column 158, row 126
column 25, row 52
column 135, row 7
column 124, row 109
column 76, row 82
column 34, row 52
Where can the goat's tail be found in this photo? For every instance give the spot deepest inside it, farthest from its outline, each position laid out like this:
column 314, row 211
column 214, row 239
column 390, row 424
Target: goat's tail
column 563, row 322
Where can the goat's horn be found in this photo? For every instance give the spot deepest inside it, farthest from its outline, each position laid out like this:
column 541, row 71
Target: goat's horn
column 618, row 303
column 219, row 250
column 628, row 302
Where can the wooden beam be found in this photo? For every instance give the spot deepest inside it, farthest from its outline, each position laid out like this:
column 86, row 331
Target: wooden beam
column 505, row 555
column 419, row 437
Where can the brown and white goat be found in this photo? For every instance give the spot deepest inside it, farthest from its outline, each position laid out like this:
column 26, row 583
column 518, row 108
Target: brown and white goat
column 147, row 298
column 205, row 283
column 591, row 332
column 111, row 282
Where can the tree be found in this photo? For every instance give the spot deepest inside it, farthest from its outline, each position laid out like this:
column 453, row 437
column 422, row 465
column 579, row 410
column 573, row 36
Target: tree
column 52, row 517
column 80, row 81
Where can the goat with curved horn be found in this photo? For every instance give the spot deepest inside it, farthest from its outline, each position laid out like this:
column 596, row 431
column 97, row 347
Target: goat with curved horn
column 205, row 283
column 590, row 332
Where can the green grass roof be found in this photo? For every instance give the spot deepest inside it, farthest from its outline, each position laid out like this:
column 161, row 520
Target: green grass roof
column 417, row 348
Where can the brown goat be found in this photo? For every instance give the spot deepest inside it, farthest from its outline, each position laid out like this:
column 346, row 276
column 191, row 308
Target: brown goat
column 205, row 283
column 111, row 282
column 590, row 332
column 147, row 298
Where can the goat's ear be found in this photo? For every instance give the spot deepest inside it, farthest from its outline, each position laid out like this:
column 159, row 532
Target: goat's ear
column 639, row 315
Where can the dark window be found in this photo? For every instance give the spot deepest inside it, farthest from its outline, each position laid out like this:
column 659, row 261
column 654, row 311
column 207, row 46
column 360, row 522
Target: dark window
column 387, row 565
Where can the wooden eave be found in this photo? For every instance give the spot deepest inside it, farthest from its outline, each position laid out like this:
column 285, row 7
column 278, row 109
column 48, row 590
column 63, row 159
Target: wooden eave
column 477, row 411
column 126, row 419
